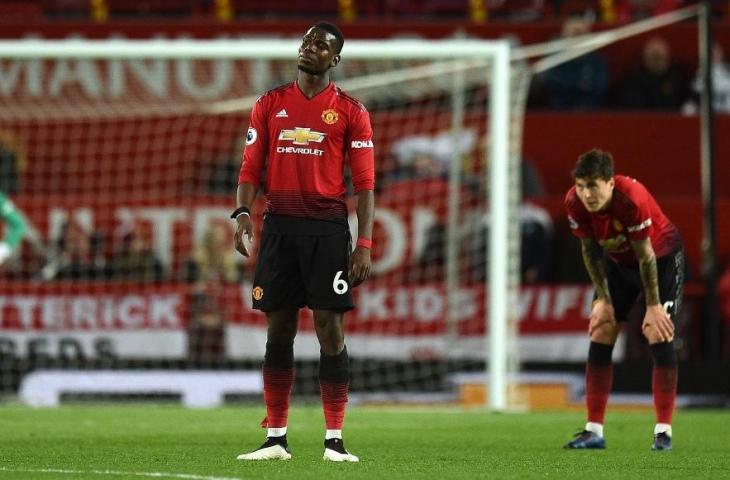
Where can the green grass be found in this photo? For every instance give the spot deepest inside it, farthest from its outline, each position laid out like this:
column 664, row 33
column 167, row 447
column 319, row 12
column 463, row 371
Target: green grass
column 392, row 443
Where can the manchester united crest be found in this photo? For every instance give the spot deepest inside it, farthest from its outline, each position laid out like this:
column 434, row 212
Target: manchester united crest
column 258, row 293
column 330, row 116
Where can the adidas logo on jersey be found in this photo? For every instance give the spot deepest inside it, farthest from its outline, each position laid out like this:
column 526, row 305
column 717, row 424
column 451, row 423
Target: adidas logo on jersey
column 282, row 114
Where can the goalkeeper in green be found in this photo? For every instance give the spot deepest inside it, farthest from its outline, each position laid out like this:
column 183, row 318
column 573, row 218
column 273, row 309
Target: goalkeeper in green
column 15, row 227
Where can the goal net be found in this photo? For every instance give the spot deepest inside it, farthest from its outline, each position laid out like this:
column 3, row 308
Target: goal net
column 123, row 158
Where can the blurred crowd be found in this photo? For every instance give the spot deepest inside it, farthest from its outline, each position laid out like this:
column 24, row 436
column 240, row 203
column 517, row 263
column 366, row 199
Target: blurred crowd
column 80, row 254
column 607, row 11
column 659, row 82
column 657, row 79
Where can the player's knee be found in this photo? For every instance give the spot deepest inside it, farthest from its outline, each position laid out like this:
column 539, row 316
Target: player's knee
column 282, row 333
column 605, row 334
column 330, row 332
column 282, row 327
column 332, row 343
column 328, row 322
column 652, row 334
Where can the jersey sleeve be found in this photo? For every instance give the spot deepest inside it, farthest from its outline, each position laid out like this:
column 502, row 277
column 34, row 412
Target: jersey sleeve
column 257, row 144
column 359, row 146
column 636, row 213
column 578, row 220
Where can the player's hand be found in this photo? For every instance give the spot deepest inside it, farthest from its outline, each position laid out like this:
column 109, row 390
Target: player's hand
column 601, row 313
column 359, row 266
column 658, row 319
column 244, row 227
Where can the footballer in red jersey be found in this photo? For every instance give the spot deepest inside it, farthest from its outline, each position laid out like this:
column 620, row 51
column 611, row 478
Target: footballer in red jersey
column 630, row 249
column 300, row 138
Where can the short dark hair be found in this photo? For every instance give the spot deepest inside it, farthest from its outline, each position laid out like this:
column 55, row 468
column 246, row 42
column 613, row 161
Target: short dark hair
column 593, row 164
column 334, row 30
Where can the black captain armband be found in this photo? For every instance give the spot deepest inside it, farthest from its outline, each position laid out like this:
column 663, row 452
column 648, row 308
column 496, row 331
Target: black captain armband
column 240, row 211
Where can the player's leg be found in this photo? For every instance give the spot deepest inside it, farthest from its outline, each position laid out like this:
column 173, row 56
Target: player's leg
column 278, row 369
column 329, row 295
column 598, row 382
column 599, row 367
column 278, row 373
column 664, row 374
column 334, row 381
column 278, row 291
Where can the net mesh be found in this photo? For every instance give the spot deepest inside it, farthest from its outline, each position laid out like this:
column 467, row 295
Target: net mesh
column 126, row 171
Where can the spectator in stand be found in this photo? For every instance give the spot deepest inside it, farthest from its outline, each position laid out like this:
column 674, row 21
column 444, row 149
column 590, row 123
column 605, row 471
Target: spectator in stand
column 720, row 84
column 422, row 179
column 532, row 186
column 135, row 259
column 536, row 234
column 429, row 156
column 213, row 261
column 536, row 244
column 212, row 265
column 222, row 177
column 11, row 163
column 579, row 84
column 79, row 255
column 633, row 10
column 658, row 84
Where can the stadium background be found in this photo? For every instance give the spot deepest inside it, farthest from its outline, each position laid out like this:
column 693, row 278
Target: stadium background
column 661, row 148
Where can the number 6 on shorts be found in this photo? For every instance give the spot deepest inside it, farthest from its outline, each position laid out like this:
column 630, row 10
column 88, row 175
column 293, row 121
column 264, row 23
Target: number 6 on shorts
column 338, row 284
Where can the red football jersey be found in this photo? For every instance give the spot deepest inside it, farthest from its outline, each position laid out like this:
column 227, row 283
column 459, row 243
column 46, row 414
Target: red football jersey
column 301, row 145
column 633, row 214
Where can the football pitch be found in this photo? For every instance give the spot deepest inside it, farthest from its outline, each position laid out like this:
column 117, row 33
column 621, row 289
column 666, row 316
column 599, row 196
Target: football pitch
column 170, row 442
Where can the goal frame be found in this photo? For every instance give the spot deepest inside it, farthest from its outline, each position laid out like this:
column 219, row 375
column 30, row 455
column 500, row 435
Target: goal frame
column 499, row 312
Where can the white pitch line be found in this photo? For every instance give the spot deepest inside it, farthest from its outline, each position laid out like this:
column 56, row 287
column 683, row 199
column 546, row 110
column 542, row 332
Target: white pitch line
column 186, row 476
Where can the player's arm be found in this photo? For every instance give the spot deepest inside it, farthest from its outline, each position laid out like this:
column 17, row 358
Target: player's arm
column 245, row 195
column 362, row 164
column 360, row 262
column 656, row 316
column 648, row 270
column 249, row 177
column 602, row 311
column 593, row 260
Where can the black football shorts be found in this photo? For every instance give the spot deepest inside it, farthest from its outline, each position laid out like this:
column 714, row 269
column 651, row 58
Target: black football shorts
column 625, row 286
column 300, row 269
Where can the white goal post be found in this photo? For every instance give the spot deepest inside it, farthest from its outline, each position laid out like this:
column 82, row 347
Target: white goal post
column 450, row 59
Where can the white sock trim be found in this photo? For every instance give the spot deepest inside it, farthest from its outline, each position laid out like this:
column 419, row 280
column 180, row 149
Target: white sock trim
column 596, row 428
column 333, row 434
column 276, row 432
column 663, row 428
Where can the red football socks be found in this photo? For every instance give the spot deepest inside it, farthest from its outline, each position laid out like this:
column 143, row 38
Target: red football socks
column 664, row 380
column 599, row 379
column 334, row 403
column 334, row 383
column 277, row 389
column 664, row 387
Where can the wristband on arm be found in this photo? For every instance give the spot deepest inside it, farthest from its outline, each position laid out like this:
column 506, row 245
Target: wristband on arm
column 365, row 243
column 240, row 211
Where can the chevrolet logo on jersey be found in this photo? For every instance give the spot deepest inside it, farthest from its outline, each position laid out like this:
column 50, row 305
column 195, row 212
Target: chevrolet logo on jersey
column 301, row 136
column 616, row 244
